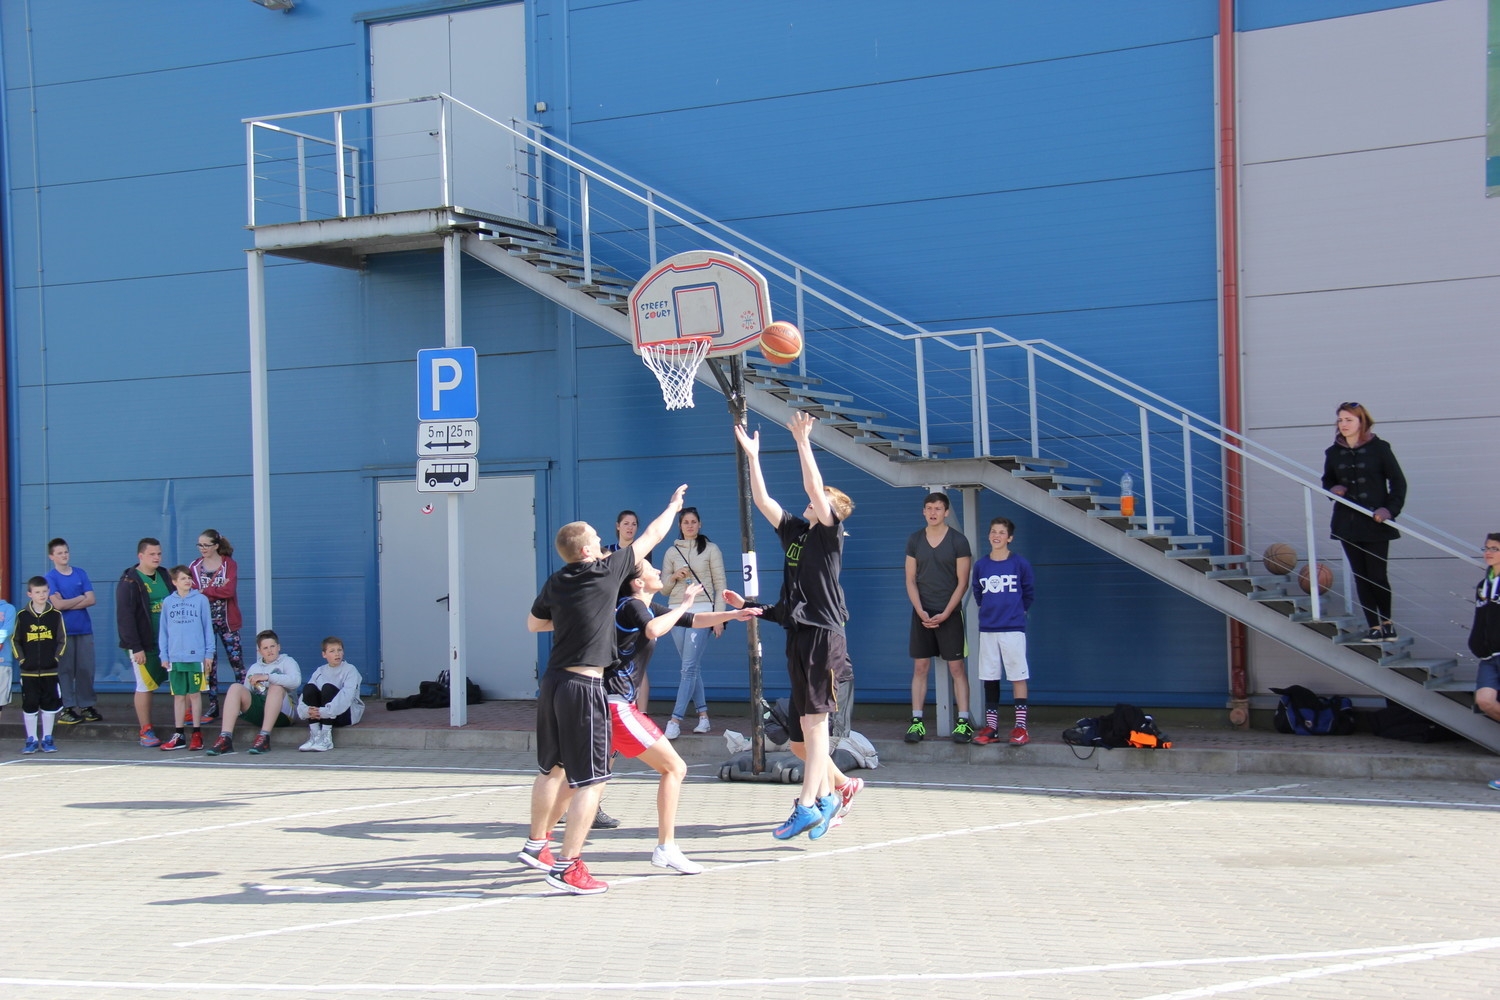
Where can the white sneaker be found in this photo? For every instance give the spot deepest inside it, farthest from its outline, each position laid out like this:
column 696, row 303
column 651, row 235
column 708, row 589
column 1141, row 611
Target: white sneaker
column 326, row 743
column 668, row 856
column 702, row 726
column 314, row 739
column 674, row 729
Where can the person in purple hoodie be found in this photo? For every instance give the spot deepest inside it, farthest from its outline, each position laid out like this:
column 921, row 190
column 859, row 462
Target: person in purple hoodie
column 1003, row 592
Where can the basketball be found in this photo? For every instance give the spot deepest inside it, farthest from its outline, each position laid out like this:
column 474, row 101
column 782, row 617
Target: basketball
column 1325, row 579
column 1279, row 558
column 781, row 343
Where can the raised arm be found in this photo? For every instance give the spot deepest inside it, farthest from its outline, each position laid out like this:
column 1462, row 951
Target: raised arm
column 657, row 529
column 763, row 502
column 801, row 426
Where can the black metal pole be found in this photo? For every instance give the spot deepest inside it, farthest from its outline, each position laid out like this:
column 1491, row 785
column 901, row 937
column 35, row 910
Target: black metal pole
column 733, row 385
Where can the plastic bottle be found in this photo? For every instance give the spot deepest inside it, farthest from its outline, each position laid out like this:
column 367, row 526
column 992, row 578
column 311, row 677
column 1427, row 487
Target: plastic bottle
column 1127, row 495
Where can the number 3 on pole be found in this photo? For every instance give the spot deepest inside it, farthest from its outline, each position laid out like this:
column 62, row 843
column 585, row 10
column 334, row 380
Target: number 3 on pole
column 750, row 571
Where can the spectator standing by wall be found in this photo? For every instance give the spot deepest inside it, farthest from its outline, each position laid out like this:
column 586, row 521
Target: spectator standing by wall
column 216, row 576
column 73, row 595
column 138, row 597
column 937, row 575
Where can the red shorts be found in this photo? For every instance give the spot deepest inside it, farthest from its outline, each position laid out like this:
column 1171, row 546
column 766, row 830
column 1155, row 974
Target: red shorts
column 631, row 731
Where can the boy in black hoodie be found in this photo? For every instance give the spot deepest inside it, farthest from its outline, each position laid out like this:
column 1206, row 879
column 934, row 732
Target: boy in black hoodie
column 38, row 641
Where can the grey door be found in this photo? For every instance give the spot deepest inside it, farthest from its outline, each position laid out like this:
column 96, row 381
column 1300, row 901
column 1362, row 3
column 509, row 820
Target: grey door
column 499, row 584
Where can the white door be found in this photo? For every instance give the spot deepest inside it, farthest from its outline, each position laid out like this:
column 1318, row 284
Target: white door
column 477, row 56
column 499, row 585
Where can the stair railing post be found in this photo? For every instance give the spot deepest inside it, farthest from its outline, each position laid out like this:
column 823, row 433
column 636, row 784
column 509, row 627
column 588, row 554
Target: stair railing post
column 801, row 318
column 1036, row 436
column 583, row 207
column 302, row 179
column 338, row 146
column 1187, row 473
column 982, row 390
column 250, row 172
column 1146, row 470
column 445, row 113
column 921, row 367
column 1312, row 555
column 651, row 229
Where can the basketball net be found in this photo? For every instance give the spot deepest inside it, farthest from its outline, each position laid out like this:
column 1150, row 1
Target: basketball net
column 675, row 364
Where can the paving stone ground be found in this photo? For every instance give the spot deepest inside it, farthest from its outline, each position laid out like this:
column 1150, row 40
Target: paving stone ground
column 391, row 873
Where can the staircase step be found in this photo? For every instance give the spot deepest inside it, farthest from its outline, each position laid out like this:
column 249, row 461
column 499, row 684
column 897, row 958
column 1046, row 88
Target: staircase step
column 910, row 447
column 1079, row 499
column 868, row 426
column 758, row 373
column 1012, row 462
column 1170, row 541
column 803, row 401
column 1260, row 580
column 1134, row 520
column 1223, row 560
column 1425, row 669
column 1049, row 479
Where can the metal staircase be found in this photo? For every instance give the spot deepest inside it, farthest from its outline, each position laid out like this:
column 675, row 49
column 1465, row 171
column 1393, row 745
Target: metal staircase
column 582, row 253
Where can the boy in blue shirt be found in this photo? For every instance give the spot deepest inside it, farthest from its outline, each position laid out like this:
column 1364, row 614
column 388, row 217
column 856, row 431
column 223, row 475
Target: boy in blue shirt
column 1002, row 593
column 187, row 642
column 73, row 595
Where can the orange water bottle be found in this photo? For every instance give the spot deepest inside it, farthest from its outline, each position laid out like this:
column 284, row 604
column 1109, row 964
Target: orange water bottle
column 1127, row 495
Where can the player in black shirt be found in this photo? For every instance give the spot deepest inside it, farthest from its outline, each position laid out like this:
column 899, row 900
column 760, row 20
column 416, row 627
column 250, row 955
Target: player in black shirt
column 577, row 604
column 813, row 612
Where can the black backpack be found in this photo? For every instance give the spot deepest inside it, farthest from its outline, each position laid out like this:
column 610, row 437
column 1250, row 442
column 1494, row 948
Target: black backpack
column 1126, row 726
column 1397, row 722
column 1304, row 713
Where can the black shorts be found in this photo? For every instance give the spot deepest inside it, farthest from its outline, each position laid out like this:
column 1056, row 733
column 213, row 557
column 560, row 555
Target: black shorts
column 947, row 641
column 572, row 727
column 817, row 660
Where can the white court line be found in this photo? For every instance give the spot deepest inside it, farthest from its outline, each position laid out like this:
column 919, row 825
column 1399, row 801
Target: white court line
column 1385, row 955
column 288, row 890
column 1419, row 953
column 855, row 849
column 1129, row 793
column 267, row 819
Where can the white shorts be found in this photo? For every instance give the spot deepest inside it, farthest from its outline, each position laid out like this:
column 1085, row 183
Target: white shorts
column 1003, row 648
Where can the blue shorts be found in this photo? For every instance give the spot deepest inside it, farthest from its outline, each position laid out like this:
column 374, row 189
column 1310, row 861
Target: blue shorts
column 1489, row 674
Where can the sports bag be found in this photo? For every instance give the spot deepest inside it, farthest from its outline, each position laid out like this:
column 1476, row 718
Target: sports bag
column 1304, row 713
column 1397, row 722
column 1126, row 726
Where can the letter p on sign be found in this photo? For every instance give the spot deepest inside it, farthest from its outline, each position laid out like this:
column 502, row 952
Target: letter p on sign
column 448, row 384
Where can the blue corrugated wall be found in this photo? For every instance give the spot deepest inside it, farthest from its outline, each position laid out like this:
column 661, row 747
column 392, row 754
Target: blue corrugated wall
column 973, row 163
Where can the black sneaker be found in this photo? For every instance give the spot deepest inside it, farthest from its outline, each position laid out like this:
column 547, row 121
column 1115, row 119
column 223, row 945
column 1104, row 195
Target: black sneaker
column 604, row 821
column 68, row 717
column 91, row 714
column 1375, row 634
column 916, row 732
column 963, row 732
column 262, row 744
column 1388, row 632
column 222, row 746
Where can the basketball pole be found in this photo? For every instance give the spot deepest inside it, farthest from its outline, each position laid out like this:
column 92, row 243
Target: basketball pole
column 732, row 384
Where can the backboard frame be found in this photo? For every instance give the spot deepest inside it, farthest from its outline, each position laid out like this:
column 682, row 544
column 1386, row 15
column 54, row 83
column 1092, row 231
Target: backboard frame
column 701, row 293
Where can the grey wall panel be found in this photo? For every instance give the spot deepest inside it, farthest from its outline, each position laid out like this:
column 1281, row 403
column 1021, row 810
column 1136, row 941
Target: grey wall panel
column 1356, row 83
column 1356, row 220
column 1372, row 272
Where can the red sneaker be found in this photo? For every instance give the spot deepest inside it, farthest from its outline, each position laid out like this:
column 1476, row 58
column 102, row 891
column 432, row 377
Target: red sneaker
column 987, row 735
column 195, row 741
column 577, row 880
column 542, row 860
column 1019, row 737
column 850, row 789
column 177, row 742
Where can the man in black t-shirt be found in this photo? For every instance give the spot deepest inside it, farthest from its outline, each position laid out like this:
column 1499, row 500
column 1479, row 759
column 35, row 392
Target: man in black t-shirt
column 577, row 604
column 813, row 612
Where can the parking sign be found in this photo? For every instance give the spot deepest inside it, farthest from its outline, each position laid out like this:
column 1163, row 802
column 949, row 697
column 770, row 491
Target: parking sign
column 448, row 384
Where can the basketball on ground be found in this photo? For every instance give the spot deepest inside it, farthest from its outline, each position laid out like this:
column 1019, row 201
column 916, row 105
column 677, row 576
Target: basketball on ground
column 781, row 343
column 1325, row 579
column 1279, row 558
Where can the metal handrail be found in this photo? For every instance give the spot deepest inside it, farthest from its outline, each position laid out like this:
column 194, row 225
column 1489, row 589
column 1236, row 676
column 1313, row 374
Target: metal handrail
column 809, row 284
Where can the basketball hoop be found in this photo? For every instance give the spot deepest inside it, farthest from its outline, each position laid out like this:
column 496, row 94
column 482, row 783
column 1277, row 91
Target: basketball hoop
column 675, row 364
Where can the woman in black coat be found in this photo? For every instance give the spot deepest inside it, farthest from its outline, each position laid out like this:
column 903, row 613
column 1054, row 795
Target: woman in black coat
column 1363, row 469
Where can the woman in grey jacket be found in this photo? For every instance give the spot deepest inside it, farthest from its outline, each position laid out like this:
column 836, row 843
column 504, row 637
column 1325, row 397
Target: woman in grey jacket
column 693, row 559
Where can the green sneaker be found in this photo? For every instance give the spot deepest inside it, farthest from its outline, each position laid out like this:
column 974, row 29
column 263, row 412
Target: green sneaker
column 963, row 732
column 916, row 732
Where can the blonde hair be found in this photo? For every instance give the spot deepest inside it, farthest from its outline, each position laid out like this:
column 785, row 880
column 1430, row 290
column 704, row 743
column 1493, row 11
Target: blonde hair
column 840, row 502
column 569, row 540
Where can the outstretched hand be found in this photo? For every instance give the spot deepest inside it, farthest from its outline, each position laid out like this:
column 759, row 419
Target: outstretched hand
column 690, row 594
column 733, row 599
column 745, row 614
column 801, row 426
column 749, row 442
column 676, row 501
